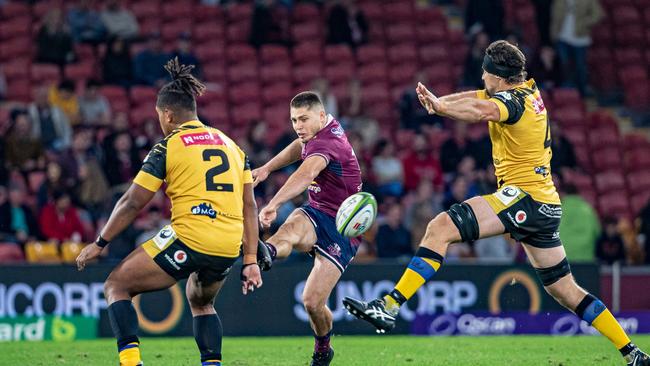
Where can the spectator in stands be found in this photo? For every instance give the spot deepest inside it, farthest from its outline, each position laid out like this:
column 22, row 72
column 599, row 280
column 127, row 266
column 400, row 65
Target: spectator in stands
column 546, row 68
column 269, row 24
column 346, row 24
column 117, row 64
column 610, row 247
column 580, row 227
column 571, row 23
column 59, row 220
column 185, row 55
column 421, row 165
column 423, row 208
column 22, row 151
column 388, row 170
column 122, row 162
column 85, row 23
column 17, row 223
column 412, row 115
column 119, row 21
column 54, row 43
column 643, row 224
column 149, row 64
column 454, row 149
column 64, row 97
column 322, row 87
column 49, row 124
column 458, row 192
column 258, row 150
column 393, row 240
column 352, row 110
column 564, row 157
column 55, row 181
column 93, row 107
column 473, row 70
column 485, row 15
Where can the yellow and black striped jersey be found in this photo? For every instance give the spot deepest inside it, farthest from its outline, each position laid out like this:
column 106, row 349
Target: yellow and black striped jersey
column 205, row 172
column 521, row 141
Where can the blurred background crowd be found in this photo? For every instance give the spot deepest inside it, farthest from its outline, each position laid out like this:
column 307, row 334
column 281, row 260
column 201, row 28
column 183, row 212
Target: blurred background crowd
column 78, row 81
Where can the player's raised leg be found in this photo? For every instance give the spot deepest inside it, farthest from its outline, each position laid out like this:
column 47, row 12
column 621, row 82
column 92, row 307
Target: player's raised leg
column 319, row 285
column 467, row 221
column 136, row 274
column 555, row 273
column 297, row 232
column 208, row 331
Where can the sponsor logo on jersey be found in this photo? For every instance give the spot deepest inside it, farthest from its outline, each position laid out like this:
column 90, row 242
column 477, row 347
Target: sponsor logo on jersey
column 554, row 212
column 204, row 209
column 337, row 131
column 201, row 138
column 541, row 170
column 510, row 191
column 166, row 233
column 538, row 105
column 313, row 187
column 334, row 249
column 171, row 262
column 512, row 219
column 520, row 216
column 180, row 256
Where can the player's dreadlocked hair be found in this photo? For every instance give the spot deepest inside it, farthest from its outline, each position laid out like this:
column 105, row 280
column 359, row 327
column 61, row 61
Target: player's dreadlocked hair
column 181, row 92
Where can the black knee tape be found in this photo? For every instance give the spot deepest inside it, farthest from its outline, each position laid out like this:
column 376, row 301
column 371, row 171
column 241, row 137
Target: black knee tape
column 463, row 217
column 553, row 274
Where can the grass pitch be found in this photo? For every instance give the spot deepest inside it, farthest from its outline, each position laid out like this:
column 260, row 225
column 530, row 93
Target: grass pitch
column 350, row 351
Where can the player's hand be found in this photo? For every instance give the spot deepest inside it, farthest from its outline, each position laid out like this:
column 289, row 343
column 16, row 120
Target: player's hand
column 90, row 252
column 259, row 175
column 251, row 278
column 428, row 100
column 267, row 215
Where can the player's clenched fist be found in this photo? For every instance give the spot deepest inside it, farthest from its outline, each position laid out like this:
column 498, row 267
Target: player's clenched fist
column 259, row 175
column 267, row 215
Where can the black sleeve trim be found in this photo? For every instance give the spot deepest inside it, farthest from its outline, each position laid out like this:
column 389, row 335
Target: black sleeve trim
column 156, row 161
column 515, row 103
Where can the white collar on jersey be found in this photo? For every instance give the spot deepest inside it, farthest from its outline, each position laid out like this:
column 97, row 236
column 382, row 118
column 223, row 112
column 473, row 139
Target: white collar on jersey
column 330, row 118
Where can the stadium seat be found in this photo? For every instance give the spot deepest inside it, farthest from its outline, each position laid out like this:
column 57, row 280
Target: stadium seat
column 16, row 69
column 306, row 53
column 400, row 12
column 306, row 32
column 215, row 114
column 615, row 204
column 145, row 9
column 370, row 53
column 275, row 73
column 143, row 95
column 338, row 54
column 569, row 115
column 400, row 33
column 434, row 54
column 272, row 54
column 246, row 113
column 239, row 12
column 18, row 27
column 638, row 181
column 82, row 70
column 277, row 93
column 374, row 72
column 305, row 12
column 13, row 9
column 566, row 96
column 622, row 15
column 170, row 31
column 45, row 73
column 237, row 53
column 401, row 53
column 11, row 253
column 42, row 252
column 402, row 74
column 117, row 97
column 430, row 15
column 179, row 9
column 609, row 181
column 210, row 51
column 606, row 158
column 639, row 201
column 141, row 113
column 631, row 34
column 575, row 135
column 237, row 32
column 440, row 72
column 304, row 74
column 15, row 48
column 637, row 159
column 70, row 250
column 373, row 11
column 339, row 73
column 209, row 13
column 629, row 56
column 19, row 90
column 242, row 72
column 603, row 136
column 375, row 93
column 244, row 93
column 432, row 33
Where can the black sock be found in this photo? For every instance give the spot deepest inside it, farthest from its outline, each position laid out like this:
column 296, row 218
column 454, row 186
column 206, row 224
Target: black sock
column 124, row 322
column 272, row 249
column 322, row 343
column 627, row 349
column 208, row 334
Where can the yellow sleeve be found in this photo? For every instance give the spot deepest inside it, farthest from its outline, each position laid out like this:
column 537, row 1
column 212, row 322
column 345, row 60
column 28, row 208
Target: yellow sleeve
column 148, row 181
column 503, row 110
column 248, row 176
column 481, row 94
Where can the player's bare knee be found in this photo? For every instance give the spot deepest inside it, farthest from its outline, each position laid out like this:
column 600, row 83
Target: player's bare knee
column 437, row 231
column 312, row 304
column 114, row 290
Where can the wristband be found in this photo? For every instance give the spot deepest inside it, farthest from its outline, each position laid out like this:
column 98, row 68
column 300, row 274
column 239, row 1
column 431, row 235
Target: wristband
column 101, row 242
column 250, row 259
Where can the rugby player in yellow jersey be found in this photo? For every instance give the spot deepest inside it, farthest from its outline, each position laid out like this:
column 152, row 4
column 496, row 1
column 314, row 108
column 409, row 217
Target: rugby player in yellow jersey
column 210, row 185
column 526, row 204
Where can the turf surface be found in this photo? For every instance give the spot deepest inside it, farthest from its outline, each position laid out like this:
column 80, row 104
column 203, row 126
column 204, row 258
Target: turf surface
column 350, row 351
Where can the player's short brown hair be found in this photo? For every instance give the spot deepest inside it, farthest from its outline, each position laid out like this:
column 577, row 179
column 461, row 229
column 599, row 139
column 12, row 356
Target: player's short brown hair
column 307, row 99
column 506, row 54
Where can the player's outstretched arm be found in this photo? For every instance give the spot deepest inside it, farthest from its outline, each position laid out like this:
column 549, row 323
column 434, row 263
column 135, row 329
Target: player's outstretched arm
column 295, row 185
column 470, row 109
column 125, row 211
column 289, row 155
column 251, row 277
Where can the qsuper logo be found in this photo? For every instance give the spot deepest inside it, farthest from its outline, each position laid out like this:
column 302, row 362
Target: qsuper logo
column 202, row 138
column 204, row 209
column 337, row 131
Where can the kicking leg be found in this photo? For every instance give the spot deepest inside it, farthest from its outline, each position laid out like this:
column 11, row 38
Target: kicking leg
column 554, row 271
column 297, row 232
column 136, row 274
column 468, row 221
column 318, row 288
column 208, row 331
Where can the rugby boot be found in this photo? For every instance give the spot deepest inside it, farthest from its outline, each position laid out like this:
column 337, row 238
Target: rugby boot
column 264, row 259
column 322, row 358
column 637, row 358
column 374, row 312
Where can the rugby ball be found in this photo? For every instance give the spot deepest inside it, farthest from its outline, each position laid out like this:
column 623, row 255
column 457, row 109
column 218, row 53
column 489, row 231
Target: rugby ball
column 356, row 214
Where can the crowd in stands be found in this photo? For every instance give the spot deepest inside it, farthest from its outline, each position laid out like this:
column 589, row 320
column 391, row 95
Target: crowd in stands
column 68, row 151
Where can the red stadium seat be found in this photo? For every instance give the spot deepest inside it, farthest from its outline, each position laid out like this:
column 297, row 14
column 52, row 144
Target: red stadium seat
column 430, row 15
column 603, row 136
column 246, row 113
column 45, row 73
column 609, row 181
column 338, row 54
column 633, row 75
column 373, row 73
column 277, row 116
column 239, row 53
column 606, row 159
column 209, row 13
column 399, row 12
column 277, row 93
column 400, row 33
column 117, row 97
column 305, row 53
column 614, row 204
column 630, row 35
column 11, row 252
column 141, row 113
column 339, row 72
column 210, row 51
column 15, row 48
column 207, row 31
column 306, row 32
column 305, row 13
column 639, row 181
column 304, row 74
column 638, row 159
column 215, row 71
column 275, row 73
column 404, row 52
column 172, row 30
column 575, row 135
column 244, row 93
column 637, row 97
column 569, row 116
column 566, row 96
column 402, row 74
column 19, row 90
column 439, row 72
column 242, row 72
column 81, row 71
column 239, row 12
column 625, row 15
column 212, row 95
column 373, row 11
column 145, row 9
column 371, row 53
column 147, row 26
column 434, row 54
column 639, row 201
column 14, row 9
column 376, row 93
column 143, row 95
column 636, row 140
column 238, row 32
column 628, row 56
column 215, row 113
column 432, row 33
column 271, row 54
column 18, row 27
column 16, row 69
column 172, row 10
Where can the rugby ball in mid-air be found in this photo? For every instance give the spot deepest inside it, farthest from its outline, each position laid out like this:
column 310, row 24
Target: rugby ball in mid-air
column 356, row 214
